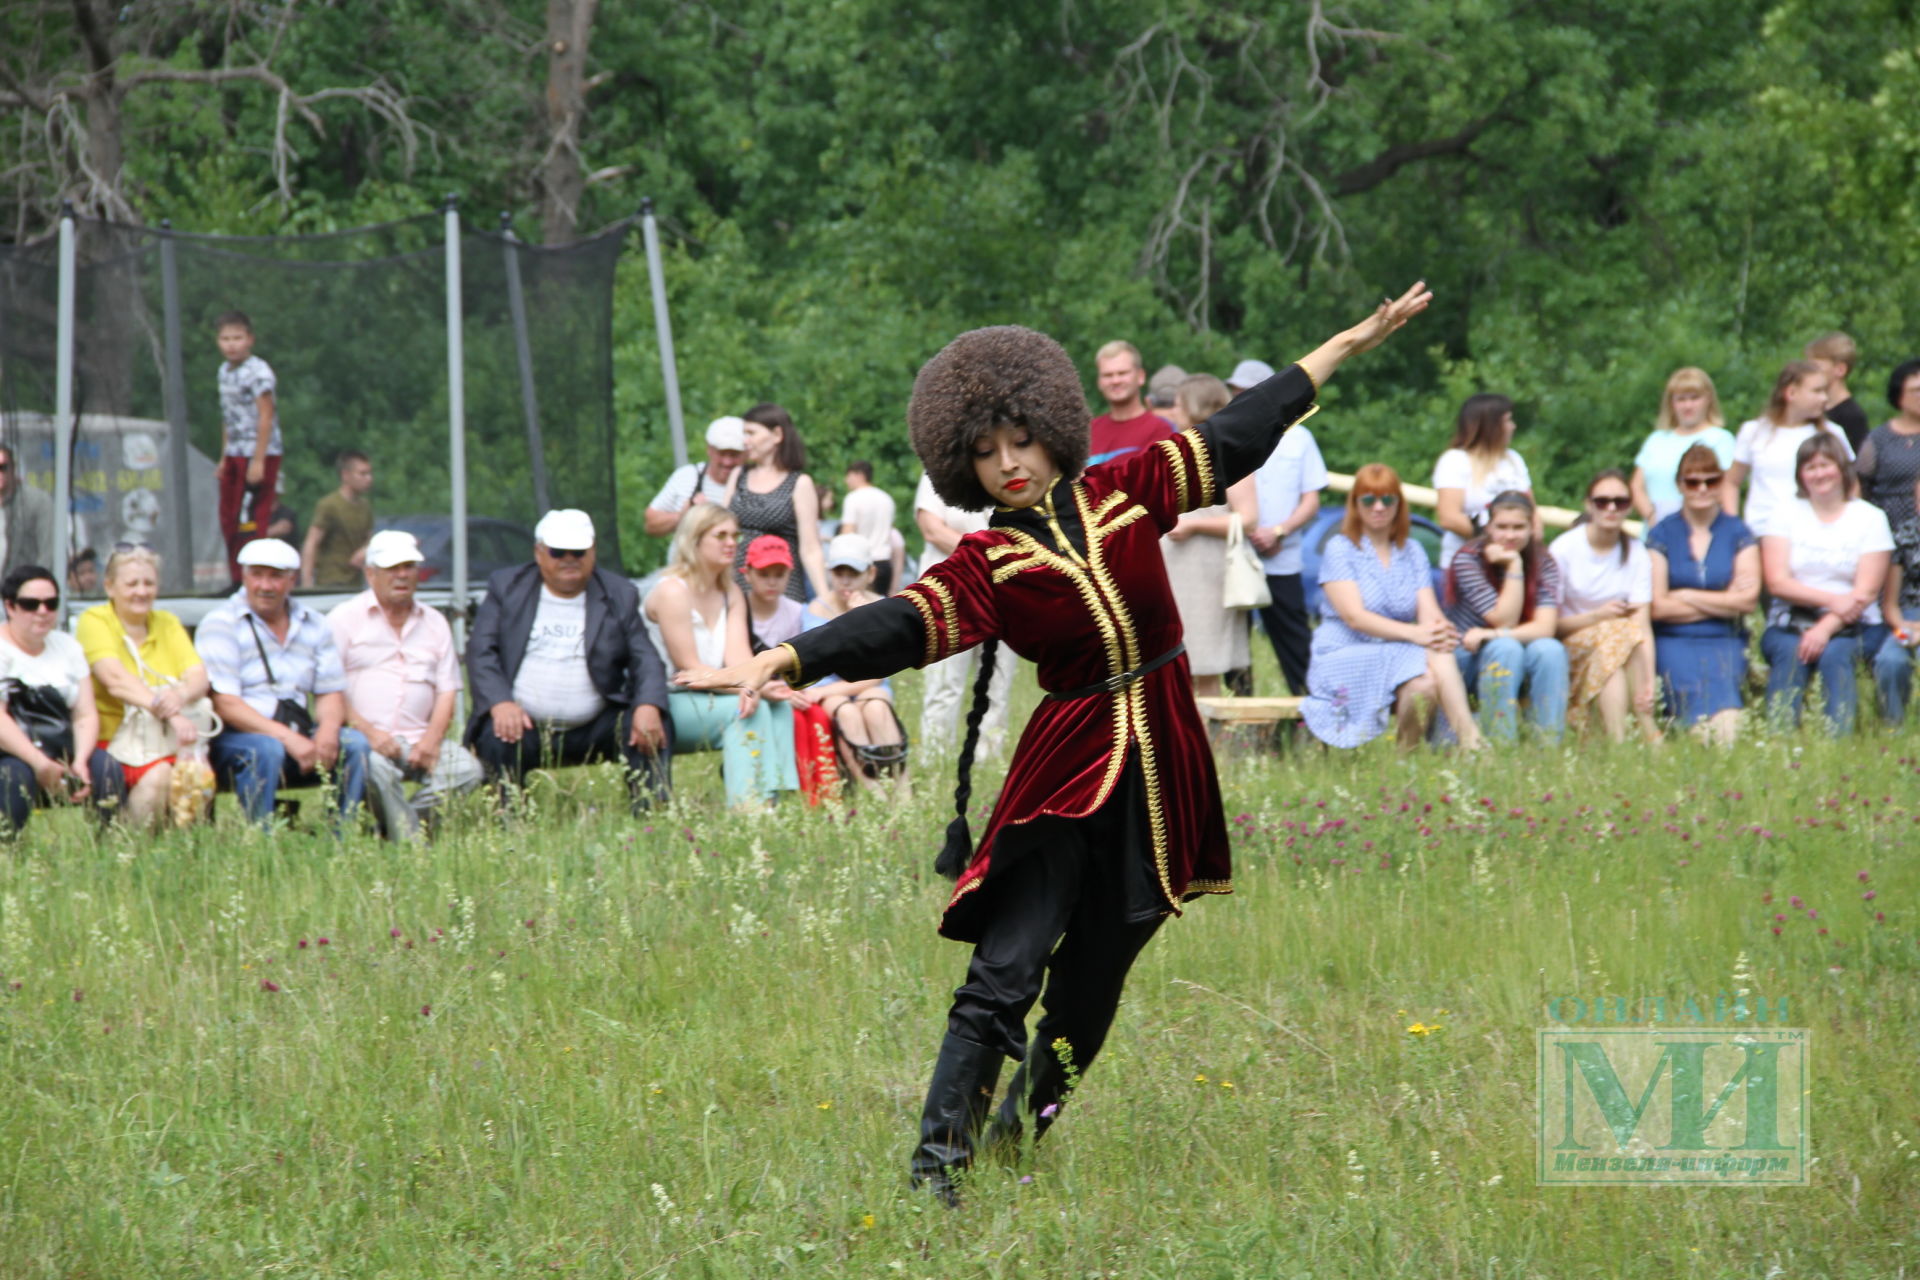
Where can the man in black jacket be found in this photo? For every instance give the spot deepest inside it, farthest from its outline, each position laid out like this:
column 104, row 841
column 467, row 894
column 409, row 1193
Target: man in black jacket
column 561, row 667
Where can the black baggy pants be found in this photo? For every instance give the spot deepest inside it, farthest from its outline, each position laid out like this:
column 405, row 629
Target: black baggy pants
column 602, row 738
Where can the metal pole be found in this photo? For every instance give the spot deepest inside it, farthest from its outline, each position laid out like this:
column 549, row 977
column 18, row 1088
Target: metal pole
column 178, row 514
column 457, row 424
column 522, row 348
column 63, row 411
column 663, row 329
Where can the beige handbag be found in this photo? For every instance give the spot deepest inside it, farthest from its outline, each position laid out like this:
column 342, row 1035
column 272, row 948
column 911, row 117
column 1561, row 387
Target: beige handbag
column 1246, row 580
column 142, row 738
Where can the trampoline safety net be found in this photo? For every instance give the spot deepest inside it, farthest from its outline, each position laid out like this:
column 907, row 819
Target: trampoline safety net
column 354, row 327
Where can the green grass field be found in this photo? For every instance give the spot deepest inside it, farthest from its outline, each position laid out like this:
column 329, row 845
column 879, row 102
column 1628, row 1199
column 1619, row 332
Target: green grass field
column 696, row 1045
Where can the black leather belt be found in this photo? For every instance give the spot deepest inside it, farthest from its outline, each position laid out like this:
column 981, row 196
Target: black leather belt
column 1114, row 684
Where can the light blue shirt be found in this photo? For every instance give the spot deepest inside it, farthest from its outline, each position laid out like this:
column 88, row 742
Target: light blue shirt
column 1659, row 461
column 306, row 663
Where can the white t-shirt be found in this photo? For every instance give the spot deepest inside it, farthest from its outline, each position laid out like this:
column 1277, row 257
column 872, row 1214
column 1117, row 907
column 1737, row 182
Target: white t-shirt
column 677, row 492
column 553, row 684
column 1825, row 556
column 868, row 511
column 1293, row 470
column 1454, row 470
column 1589, row 578
column 1769, row 452
column 961, row 522
column 61, row 666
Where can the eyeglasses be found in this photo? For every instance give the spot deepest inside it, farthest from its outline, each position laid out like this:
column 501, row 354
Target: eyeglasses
column 1611, row 502
column 1702, row 482
column 1387, row 500
column 564, row 553
column 27, row 604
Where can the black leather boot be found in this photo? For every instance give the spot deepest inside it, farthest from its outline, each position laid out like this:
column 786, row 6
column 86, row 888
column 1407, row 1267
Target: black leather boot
column 958, row 1100
column 1039, row 1087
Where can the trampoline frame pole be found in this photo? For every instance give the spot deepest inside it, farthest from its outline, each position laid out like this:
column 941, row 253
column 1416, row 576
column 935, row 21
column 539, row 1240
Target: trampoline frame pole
column 457, row 425
column 523, row 352
column 663, row 331
column 63, row 411
column 179, row 508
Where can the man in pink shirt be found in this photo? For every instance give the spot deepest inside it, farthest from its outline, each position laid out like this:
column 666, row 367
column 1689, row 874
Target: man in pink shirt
column 403, row 680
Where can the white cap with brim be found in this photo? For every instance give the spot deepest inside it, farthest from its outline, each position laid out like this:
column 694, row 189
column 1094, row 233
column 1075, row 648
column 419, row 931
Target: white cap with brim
column 1249, row 373
column 269, row 553
column 849, row 551
column 568, row 529
column 727, row 433
column 391, row 547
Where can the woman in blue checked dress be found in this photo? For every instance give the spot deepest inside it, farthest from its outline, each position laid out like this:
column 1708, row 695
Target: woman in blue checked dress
column 1383, row 647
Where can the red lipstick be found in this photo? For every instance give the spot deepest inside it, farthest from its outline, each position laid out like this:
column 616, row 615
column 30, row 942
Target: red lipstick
column 1015, row 486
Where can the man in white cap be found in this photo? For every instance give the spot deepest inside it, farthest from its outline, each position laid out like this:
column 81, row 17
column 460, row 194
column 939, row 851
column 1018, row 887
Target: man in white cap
column 266, row 655
column 699, row 481
column 403, row 680
column 561, row 668
column 1247, row 375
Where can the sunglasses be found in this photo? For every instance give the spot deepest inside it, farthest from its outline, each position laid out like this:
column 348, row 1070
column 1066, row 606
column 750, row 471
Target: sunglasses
column 1387, row 500
column 560, row 553
column 1611, row 503
column 27, row 604
column 1702, row 482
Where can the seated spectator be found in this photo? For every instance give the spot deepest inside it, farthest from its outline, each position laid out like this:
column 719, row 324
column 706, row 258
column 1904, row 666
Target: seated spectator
column 1606, row 600
column 698, row 618
column 561, row 669
column 1689, row 417
column 1706, row 580
column 1889, row 461
column 47, row 721
column 1824, row 557
column 143, row 662
column 266, row 654
column 698, row 482
column 1900, row 607
column 83, row 573
column 773, row 617
column 1502, row 594
column 336, row 547
column 403, row 681
column 872, row 739
column 1383, row 644
column 1766, row 450
column 1480, row 463
column 869, row 511
column 1194, row 550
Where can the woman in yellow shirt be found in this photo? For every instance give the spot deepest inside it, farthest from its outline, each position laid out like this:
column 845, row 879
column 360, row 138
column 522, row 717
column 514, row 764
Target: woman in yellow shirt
column 141, row 656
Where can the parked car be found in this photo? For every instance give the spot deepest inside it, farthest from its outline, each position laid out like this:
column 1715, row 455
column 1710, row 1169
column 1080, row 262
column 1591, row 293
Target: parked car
column 1421, row 529
column 491, row 544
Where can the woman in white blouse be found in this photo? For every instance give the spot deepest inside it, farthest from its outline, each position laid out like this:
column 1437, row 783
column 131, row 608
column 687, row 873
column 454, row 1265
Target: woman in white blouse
column 1824, row 557
column 1764, row 452
column 49, row 728
column 1478, row 464
column 1606, row 612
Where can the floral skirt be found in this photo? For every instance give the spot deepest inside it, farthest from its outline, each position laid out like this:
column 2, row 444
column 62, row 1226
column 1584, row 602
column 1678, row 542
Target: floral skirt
column 1593, row 654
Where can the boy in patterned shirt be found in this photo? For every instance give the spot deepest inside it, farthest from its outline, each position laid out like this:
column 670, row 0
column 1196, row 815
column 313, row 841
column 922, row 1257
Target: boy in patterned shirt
column 249, row 437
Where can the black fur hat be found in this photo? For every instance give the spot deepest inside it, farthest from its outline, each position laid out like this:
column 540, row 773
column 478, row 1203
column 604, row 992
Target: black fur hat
column 1000, row 374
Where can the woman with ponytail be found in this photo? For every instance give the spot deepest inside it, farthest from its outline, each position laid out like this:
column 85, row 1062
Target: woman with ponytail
column 1110, row 816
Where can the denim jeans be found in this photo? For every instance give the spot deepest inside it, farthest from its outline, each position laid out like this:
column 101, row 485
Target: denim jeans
column 1787, row 676
column 1502, row 670
column 1893, row 678
column 256, row 766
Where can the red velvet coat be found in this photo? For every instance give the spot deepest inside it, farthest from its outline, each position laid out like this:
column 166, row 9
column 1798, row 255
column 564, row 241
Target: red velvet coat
column 1077, row 585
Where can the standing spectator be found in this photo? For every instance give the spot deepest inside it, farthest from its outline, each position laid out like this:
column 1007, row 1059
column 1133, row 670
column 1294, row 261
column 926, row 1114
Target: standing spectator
column 1163, row 386
column 1689, row 416
column 1288, row 487
column 266, row 654
column 1838, row 357
column 1216, row 637
column 1825, row 559
column 83, row 573
column 1502, row 595
column 1767, row 446
column 1900, row 605
column 948, row 683
column 697, row 616
column 868, row 512
column 26, row 515
column 1606, row 605
column 773, row 617
column 1127, row 424
column 250, row 437
column 1706, row 580
column 698, row 482
column 1479, row 464
column 1383, row 647
column 141, row 657
column 48, row 724
column 1889, row 462
column 1247, row 375
column 403, row 681
column 774, row 494
column 336, row 546
column 561, row 668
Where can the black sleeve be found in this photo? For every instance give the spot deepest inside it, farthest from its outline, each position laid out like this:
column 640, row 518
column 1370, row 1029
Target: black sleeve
column 487, row 678
column 867, row 643
column 1246, row 431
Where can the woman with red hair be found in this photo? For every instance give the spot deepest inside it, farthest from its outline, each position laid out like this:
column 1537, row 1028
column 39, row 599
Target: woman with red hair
column 1383, row 646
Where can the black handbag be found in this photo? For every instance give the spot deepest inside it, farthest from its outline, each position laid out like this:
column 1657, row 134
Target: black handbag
column 42, row 714
column 291, row 712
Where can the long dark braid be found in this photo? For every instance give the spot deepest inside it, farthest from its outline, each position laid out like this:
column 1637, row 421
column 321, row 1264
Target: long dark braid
column 958, row 851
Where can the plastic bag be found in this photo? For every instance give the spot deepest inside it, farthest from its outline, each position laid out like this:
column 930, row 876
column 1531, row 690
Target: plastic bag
column 190, row 796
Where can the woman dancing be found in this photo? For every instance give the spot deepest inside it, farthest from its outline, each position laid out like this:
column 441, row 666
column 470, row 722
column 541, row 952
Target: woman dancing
column 1110, row 816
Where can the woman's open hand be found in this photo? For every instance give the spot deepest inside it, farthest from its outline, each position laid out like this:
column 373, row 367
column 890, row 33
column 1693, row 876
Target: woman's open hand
column 1388, row 317
column 745, row 677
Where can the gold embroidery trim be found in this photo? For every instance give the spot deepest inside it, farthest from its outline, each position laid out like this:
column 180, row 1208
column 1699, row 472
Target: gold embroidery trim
column 1001, row 551
column 1108, row 503
column 1177, row 464
column 1122, row 520
column 1202, row 463
column 1005, row 571
column 948, row 614
column 1310, row 378
column 795, row 678
column 1207, row 886
column 918, row 599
